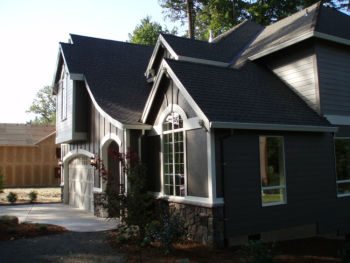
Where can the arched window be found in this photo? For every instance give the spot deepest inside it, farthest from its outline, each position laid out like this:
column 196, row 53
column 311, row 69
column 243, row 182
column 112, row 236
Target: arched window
column 173, row 155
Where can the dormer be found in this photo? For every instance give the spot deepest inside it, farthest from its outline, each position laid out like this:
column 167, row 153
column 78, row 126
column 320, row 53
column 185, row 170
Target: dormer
column 72, row 105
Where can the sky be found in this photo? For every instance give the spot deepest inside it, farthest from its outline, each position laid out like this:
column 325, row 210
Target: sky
column 30, row 32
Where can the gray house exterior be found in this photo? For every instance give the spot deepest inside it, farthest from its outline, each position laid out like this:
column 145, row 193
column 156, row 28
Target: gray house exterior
column 246, row 136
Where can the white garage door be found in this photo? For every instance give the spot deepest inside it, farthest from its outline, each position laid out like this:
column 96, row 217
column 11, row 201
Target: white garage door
column 81, row 182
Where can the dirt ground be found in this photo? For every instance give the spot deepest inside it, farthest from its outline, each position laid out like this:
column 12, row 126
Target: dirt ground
column 45, row 195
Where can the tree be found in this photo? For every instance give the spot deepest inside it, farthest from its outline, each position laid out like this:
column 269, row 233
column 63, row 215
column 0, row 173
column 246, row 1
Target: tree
column 147, row 32
column 221, row 15
column 44, row 106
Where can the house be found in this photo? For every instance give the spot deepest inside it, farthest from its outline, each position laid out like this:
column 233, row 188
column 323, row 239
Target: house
column 29, row 155
column 245, row 136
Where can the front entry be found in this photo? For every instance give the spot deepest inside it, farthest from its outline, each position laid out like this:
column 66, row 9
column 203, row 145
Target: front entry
column 81, row 182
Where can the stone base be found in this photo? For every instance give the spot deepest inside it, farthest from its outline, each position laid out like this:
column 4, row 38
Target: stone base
column 204, row 225
column 99, row 205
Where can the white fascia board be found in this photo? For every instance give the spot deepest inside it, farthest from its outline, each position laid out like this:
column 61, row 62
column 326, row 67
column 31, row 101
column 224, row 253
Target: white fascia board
column 203, row 61
column 338, row 119
column 161, row 41
column 274, row 127
column 336, row 39
column 112, row 120
column 166, row 68
column 288, row 43
column 57, row 64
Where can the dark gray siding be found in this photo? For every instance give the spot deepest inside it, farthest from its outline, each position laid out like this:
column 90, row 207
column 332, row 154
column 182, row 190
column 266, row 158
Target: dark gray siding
column 334, row 78
column 151, row 153
column 197, row 164
column 81, row 105
column 297, row 68
column 310, row 182
column 344, row 131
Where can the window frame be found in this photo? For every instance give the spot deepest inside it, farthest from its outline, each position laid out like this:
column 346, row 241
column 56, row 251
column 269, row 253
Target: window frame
column 337, row 182
column 262, row 188
column 183, row 116
column 64, row 85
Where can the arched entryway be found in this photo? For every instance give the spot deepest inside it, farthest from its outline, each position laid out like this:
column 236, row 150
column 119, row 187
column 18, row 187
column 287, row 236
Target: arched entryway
column 113, row 166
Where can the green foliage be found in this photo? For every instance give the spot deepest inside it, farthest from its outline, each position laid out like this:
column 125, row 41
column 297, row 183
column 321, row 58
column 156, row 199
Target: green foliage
column 344, row 254
column 147, row 32
column 221, row 15
column 257, row 252
column 12, row 197
column 33, row 195
column 169, row 231
column 44, row 107
column 1, row 182
column 42, row 227
column 184, row 260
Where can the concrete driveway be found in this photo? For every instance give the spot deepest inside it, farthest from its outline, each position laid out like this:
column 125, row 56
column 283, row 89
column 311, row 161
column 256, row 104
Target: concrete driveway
column 71, row 218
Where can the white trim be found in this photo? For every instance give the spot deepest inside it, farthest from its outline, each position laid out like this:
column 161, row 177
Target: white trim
column 171, row 107
column 336, row 39
column 266, row 126
column 104, row 144
column 165, row 67
column 192, row 200
column 284, row 175
column 338, row 119
column 211, row 166
column 203, row 61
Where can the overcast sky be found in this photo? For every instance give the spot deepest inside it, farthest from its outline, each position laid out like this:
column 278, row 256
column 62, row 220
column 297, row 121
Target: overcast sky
column 31, row 29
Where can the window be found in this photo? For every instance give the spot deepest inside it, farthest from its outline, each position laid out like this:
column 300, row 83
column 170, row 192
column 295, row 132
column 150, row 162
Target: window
column 173, row 155
column 64, row 85
column 342, row 155
column 273, row 183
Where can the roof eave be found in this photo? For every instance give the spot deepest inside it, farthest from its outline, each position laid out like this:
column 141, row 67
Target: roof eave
column 274, row 127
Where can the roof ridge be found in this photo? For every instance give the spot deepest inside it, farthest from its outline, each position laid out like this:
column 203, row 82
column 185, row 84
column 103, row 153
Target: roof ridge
column 186, row 38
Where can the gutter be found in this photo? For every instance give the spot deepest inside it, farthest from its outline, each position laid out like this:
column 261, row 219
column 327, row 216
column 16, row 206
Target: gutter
column 275, row 127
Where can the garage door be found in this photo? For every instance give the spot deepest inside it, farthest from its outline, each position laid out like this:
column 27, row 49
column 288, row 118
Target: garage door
column 81, row 183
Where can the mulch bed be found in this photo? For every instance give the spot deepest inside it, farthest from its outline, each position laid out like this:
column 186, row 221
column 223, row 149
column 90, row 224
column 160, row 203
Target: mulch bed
column 309, row 250
column 12, row 231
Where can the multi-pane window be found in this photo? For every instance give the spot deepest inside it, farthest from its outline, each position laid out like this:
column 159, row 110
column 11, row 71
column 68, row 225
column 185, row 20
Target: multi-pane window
column 273, row 183
column 342, row 155
column 173, row 155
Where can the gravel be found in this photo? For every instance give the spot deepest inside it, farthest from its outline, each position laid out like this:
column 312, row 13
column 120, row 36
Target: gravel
column 70, row 247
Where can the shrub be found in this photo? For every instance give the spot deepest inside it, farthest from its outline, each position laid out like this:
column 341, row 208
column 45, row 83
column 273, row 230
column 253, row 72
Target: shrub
column 42, row 227
column 33, row 195
column 12, row 197
column 257, row 252
column 344, row 254
column 168, row 232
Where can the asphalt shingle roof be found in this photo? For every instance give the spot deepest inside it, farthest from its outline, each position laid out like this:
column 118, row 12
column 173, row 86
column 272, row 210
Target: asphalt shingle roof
column 223, row 48
column 315, row 18
column 114, row 72
column 251, row 94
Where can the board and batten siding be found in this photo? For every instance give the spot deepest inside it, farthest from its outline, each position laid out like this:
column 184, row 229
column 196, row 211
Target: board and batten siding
column 64, row 127
column 334, row 78
column 297, row 68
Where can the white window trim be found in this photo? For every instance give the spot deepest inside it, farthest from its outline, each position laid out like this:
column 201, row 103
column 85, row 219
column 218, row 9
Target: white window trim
column 336, row 175
column 176, row 109
column 64, row 80
column 284, row 174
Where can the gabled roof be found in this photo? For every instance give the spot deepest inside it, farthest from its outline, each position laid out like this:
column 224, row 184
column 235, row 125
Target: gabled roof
column 251, row 94
column 113, row 72
column 314, row 21
column 24, row 134
column 223, row 48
